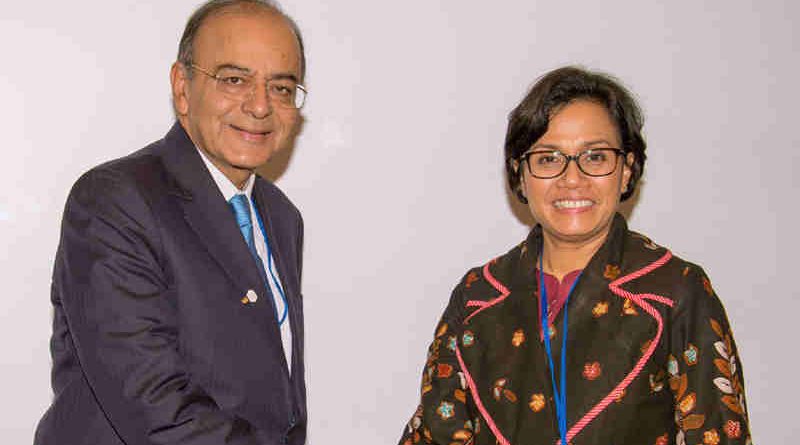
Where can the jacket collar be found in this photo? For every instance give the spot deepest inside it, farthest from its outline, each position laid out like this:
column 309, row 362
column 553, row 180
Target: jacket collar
column 622, row 253
column 610, row 253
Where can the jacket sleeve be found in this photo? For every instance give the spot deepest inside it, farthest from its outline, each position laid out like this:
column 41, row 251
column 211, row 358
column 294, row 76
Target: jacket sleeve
column 444, row 415
column 703, row 367
column 122, row 318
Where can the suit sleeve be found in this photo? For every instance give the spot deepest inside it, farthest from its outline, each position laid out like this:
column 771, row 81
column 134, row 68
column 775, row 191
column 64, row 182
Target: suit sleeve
column 122, row 318
column 704, row 370
column 444, row 415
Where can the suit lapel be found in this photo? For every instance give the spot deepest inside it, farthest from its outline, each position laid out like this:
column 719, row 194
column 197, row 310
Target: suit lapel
column 207, row 213
column 272, row 220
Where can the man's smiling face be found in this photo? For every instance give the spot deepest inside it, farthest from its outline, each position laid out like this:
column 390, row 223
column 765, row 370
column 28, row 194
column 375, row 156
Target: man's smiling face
column 238, row 134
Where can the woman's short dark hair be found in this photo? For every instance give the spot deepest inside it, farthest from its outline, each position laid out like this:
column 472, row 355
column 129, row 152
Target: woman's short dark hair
column 529, row 120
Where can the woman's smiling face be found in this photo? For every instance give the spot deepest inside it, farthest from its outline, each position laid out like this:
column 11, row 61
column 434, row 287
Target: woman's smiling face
column 573, row 207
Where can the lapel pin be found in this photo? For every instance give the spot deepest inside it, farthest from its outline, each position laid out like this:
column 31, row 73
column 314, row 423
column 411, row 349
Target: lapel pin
column 252, row 297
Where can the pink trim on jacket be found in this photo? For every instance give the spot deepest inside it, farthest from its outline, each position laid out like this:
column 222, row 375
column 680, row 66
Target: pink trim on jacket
column 487, row 304
column 638, row 299
column 473, row 388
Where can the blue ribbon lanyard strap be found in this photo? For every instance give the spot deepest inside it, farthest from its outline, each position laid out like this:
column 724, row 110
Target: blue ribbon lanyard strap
column 272, row 276
column 559, row 396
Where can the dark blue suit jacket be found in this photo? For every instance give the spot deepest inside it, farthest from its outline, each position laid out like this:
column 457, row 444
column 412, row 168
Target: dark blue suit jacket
column 153, row 342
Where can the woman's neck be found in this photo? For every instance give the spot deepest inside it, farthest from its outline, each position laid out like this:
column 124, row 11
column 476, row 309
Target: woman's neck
column 562, row 257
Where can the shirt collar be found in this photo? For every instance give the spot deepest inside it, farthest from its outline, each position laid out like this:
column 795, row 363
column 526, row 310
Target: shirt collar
column 224, row 184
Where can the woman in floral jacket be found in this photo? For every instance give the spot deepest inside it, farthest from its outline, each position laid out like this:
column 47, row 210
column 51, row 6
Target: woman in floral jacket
column 637, row 350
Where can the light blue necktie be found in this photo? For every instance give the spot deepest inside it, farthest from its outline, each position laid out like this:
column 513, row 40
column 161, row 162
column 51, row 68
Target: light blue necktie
column 241, row 210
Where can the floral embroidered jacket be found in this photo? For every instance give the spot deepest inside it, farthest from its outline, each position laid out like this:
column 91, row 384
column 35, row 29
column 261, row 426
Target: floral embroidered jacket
column 650, row 355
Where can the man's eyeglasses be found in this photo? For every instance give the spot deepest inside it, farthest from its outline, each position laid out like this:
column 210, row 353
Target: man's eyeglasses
column 285, row 92
column 546, row 164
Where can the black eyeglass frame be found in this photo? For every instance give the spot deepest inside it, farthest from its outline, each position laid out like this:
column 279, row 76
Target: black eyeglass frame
column 525, row 158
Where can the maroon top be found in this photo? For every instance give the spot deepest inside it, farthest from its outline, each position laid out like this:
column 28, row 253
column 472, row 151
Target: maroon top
column 557, row 292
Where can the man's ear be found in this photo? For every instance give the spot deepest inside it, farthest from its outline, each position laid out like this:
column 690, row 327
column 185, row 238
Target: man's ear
column 180, row 89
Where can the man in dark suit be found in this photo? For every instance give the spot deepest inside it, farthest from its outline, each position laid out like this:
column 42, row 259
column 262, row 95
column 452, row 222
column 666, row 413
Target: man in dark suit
column 178, row 312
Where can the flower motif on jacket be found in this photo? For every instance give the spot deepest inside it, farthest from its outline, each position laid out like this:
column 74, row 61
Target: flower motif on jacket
column 518, row 338
column 691, row 354
column 711, row 437
column 647, row 242
column 628, row 308
column 611, row 272
column 707, row 286
column 685, row 402
column 591, row 371
column 460, row 395
column 443, row 370
column 733, row 429
column 728, row 383
column 462, row 436
column 433, row 352
column 471, row 278
column 499, row 391
column 468, row 339
column 446, row 410
column 657, row 381
column 537, row 402
column 600, row 309
column 452, row 343
column 413, row 426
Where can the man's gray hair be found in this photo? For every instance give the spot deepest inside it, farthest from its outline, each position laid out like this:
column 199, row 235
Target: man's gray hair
column 212, row 7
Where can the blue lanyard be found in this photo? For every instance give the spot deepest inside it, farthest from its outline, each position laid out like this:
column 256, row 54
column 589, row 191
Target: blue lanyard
column 269, row 265
column 559, row 396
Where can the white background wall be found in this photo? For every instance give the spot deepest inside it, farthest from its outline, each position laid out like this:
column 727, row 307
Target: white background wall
column 399, row 170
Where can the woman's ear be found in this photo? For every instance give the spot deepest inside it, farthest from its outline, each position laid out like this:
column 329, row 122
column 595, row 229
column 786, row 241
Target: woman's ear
column 627, row 171
column 523, row 190
column 519, row 188
column 515, row 164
